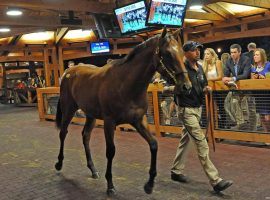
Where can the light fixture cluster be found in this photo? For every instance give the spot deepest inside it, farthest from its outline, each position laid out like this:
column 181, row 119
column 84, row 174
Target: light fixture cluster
column 196, row 5
column 11, row 12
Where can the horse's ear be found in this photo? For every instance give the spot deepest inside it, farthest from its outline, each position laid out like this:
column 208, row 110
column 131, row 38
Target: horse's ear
column 164, row 32
column 176, row 34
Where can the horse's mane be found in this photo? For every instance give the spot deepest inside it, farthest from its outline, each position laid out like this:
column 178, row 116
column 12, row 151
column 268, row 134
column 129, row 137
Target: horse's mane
column 133, row 52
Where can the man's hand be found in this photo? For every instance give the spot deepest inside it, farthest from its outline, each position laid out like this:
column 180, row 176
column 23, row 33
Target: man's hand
column 207, row 89
column 226, row 80
column 261, row 76
column 168, row 89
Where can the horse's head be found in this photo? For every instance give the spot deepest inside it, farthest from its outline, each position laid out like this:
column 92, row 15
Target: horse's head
column 170, row 60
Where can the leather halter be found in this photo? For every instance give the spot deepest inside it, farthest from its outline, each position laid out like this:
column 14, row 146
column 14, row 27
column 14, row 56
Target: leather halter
column 172, row 74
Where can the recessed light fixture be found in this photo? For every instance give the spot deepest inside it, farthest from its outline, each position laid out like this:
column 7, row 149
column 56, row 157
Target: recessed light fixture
column 3, row 30
column 196, row 7
column 196, row 4
column 14, row 12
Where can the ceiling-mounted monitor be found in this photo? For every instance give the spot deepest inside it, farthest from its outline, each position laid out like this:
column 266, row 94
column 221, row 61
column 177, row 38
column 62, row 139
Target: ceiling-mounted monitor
column 100, row 47
column 169, row 13
column 131, row 18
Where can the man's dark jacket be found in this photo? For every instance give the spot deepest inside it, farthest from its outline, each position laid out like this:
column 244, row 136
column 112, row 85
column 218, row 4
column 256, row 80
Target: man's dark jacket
column 244, row 68
column 196, row 95
column 250, row 54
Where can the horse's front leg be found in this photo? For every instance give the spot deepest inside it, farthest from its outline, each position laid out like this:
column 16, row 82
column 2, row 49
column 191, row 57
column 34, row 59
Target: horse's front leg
column 148, row 187
column 109, row 127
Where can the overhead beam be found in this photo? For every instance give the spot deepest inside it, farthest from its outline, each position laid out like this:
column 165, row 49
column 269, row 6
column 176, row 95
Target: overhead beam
column 59, row 34
column 203, row 16
column 21, row 31
column 44, row 21
column 254, row 3
column 11, row 43
column 63, row 5
column 218, row 10
column 229, row 23
column 242, row 34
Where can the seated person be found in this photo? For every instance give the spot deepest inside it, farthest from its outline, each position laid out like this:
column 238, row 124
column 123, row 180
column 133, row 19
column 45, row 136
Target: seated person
column 261, row 67
column 20, row 92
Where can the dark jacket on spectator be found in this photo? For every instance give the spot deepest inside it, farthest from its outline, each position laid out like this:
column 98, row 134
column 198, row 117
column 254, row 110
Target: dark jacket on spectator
column 244, row 68
column 250, row 54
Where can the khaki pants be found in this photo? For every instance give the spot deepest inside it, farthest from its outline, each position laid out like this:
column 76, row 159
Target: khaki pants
column 191, row 118
column 241, row 109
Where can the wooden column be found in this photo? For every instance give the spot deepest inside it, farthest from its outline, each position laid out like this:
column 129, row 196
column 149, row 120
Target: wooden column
column 60, row 60
column 51, row 66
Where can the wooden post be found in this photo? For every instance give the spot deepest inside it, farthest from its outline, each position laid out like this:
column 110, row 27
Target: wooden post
column 60, row 60
column 156, row 112
column 47, row 67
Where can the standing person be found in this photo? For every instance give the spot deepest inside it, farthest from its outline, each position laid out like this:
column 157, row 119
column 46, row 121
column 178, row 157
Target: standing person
column 238, row 67
column 261, row 67
column 224, row 57
column 189, row 110
column 251, row 48
column 212, row 65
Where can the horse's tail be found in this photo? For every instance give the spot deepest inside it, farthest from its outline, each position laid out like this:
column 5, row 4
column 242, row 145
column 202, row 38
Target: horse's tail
column 58, row 115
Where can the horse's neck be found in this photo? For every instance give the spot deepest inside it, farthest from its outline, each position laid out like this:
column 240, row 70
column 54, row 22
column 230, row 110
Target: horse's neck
column 139, row 71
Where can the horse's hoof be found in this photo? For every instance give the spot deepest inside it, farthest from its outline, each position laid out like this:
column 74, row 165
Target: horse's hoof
column 95, row 175
column 148, row 189
column 111, row 192
column 58, row 166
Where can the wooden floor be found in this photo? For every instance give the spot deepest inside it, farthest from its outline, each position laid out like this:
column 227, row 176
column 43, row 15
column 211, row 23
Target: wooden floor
column 29, row 149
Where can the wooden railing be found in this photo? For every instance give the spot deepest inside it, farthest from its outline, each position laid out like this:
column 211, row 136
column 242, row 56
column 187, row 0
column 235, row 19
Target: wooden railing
column 156, row 126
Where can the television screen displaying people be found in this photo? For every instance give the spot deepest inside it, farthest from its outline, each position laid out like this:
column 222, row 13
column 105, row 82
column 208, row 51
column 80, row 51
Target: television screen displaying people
column 167, row 12
column 132, row 18
column 100, row 47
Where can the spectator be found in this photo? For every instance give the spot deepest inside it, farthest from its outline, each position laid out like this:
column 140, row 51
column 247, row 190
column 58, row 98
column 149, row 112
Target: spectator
column 212, row 65
column 71, row 64
column 251, row 47
column 261, row 67
column 224, row 58
column 238, row 67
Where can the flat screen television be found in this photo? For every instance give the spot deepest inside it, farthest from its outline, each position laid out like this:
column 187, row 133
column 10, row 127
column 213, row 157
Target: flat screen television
column 131, row 18
column 166, row 12
column 100, row 47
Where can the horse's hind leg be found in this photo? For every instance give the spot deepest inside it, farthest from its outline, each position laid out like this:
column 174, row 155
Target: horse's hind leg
column 148, row 187
column 86, row 134
column 66, row 118
column 109, row 127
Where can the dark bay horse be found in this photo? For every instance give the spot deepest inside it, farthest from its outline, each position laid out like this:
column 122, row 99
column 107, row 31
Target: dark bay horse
column 117, row 93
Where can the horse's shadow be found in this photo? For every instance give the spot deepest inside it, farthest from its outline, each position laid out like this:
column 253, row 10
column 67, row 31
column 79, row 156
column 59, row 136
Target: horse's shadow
column 75, row 190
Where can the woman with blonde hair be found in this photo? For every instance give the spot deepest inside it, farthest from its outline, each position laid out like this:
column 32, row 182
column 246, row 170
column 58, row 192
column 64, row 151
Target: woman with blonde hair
column 212, row 65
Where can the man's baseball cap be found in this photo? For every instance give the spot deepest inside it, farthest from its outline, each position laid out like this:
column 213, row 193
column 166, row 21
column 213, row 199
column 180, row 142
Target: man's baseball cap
column 191, row 46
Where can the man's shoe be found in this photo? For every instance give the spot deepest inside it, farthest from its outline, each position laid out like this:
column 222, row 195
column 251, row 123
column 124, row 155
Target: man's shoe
column 179, row 177
column 222, row 185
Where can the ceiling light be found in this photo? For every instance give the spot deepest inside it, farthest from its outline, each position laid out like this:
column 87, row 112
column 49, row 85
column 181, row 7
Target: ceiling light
column 3, row 30
column 195, row 7
column 14, row 12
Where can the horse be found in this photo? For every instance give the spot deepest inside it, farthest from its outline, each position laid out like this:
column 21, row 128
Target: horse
column 117, row 94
